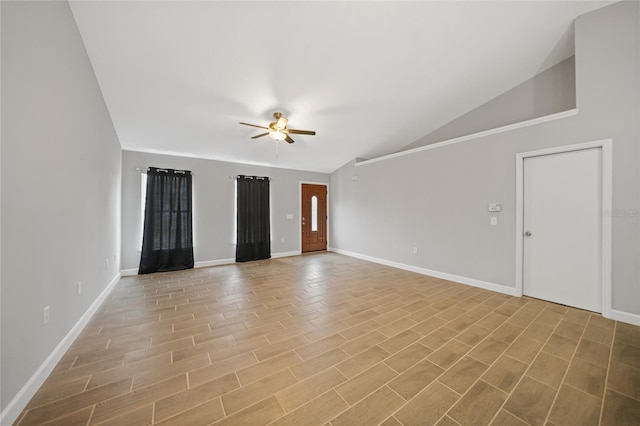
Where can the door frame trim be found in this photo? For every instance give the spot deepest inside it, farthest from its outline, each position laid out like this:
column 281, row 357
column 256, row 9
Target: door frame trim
column 303, row 182
column 606, row 147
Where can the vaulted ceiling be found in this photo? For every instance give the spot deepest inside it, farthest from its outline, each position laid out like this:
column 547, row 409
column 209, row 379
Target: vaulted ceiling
column 369, row 77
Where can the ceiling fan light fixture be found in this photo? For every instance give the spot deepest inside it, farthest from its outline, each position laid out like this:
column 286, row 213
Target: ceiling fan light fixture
column 277, row 135
column 281, row 123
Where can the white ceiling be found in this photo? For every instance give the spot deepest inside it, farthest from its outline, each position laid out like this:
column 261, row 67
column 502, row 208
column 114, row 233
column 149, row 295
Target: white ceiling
column 369, row 77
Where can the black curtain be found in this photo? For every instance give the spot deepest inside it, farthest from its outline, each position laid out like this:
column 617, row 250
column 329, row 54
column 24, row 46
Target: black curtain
column 253, row 239
column 167, row 241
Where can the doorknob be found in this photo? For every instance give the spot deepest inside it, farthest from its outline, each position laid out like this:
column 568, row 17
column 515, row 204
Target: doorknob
column 527, row 234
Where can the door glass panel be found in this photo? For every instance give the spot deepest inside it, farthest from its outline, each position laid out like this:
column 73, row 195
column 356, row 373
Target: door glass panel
column 314, row 214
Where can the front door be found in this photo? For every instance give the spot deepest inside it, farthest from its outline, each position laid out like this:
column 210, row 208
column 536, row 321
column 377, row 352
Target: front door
column 562, row 235
column 314, row 217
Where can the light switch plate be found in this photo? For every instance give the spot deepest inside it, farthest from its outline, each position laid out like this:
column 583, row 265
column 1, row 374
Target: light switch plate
column 494, row 207
column 494, row 220
column 289, row 215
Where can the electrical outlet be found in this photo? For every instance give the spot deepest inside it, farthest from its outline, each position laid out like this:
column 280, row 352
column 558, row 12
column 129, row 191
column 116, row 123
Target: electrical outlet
column 79, row 288
column 494, row 220
column 47, row 315
column 282, row 240
column 415, row 250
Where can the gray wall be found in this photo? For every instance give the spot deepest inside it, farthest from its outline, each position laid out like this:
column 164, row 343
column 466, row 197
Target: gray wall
column 213, row 204
column 60, row 186
column 549, row 92
column 436, row 199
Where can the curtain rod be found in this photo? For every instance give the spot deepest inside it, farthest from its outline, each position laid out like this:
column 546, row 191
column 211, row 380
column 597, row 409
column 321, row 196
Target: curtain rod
column 146, row 169
column 250, row 177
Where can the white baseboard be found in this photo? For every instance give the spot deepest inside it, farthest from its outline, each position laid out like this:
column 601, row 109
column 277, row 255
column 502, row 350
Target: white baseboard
column 218, row 262
column 622, row 316
column 22, row 398
column 285, row 254
column 203, row 264
column 128, row 272
column 445, row 276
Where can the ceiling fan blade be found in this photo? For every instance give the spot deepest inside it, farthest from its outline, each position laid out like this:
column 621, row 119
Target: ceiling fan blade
column 259, row 136
column 301, row 132
column 288, row 139
column 255, row 125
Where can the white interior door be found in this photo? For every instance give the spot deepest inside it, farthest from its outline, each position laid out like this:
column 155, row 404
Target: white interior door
column 562, row 252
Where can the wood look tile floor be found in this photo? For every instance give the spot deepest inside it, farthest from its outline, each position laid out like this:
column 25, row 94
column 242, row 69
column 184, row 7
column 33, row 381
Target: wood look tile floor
column 325, row 339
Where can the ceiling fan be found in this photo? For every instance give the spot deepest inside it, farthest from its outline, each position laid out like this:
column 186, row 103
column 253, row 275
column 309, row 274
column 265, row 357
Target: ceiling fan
column 278, row 130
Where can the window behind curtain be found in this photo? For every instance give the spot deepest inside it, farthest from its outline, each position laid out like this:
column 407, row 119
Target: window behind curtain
column 167, row 242
column 253, row 236
column 143, row 202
